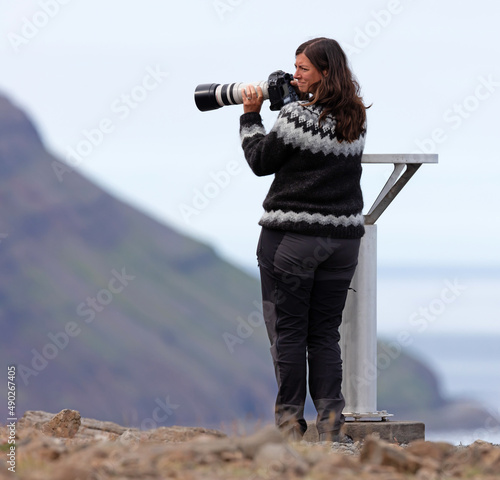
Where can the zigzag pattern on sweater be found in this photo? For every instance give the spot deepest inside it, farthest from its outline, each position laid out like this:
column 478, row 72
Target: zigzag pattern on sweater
column 279, row 216
column 251, row 131
column 299, row 127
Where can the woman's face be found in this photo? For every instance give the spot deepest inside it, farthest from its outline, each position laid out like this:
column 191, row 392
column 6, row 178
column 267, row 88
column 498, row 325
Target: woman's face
column 306, row 74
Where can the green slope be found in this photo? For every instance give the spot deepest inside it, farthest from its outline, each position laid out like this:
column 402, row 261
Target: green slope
column 155, row 331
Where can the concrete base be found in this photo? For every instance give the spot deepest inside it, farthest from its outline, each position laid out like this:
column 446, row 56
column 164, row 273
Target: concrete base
column 394, row 432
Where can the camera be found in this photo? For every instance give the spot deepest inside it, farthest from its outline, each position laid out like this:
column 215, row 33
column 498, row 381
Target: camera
column 277, row 89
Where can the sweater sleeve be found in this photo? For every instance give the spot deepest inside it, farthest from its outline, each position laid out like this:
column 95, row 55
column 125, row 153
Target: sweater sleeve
column 265, row 154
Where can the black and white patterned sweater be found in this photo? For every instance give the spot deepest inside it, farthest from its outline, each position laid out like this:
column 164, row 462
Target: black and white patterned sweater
column 316, row 189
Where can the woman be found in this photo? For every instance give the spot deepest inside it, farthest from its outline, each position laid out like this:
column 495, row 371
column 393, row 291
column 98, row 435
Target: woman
column 311, row 229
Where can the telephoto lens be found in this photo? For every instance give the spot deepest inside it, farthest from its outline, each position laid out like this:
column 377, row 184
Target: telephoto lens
column 210, row 96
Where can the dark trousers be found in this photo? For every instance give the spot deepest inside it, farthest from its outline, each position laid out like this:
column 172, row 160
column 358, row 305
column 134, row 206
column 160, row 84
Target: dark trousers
column 305, row 280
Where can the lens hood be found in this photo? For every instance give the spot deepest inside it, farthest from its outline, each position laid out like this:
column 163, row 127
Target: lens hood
column 205, row 98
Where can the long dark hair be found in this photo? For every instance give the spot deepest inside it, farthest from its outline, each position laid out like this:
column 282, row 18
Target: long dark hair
column 338, row 90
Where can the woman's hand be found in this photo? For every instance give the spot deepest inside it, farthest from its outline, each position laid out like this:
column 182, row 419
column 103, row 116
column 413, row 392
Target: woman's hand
column 252, row 99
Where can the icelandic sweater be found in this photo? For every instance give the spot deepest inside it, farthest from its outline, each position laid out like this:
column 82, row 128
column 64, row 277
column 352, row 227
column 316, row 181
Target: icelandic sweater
column 316, row 188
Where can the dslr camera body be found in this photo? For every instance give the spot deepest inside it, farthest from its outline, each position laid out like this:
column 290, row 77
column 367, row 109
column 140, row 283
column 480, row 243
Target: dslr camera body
column 277, row 89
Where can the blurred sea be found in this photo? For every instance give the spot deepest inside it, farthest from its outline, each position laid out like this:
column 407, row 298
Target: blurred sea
column 450, row 319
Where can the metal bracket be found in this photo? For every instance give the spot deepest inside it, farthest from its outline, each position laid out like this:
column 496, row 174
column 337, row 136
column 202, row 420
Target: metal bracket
column 358, row 331
column 405, row 167
column 398, row 179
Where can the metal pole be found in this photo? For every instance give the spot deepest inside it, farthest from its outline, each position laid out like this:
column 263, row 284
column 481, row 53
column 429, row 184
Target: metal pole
column 358, row 333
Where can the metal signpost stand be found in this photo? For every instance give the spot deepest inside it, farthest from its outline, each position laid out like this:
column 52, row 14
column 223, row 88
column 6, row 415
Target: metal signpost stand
column 359, row 327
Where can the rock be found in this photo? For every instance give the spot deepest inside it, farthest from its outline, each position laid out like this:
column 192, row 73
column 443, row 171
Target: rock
column 491, row 462
column 178, row 434
column 382, row 472
column 65, row 424
column 207, row 450
column 276, row 458
column 93, row 426
column 96, row 453
column 480, row 457
column 426, row 474
column 435, row 450
column 130, row 436
column 34, row 447
column 335, row 464
column 250, row 445
column 65, row 473
column 89, row 428
column 379, row 452
column 34, row 419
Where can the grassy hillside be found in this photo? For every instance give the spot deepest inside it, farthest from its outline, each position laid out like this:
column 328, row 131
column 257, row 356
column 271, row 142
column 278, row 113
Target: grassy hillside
column 145, row 307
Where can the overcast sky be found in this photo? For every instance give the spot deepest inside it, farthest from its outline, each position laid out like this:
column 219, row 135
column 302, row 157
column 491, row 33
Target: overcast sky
column 110, row 87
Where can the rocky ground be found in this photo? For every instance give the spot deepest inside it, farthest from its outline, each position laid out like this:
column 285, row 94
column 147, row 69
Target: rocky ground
column 68, row 447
